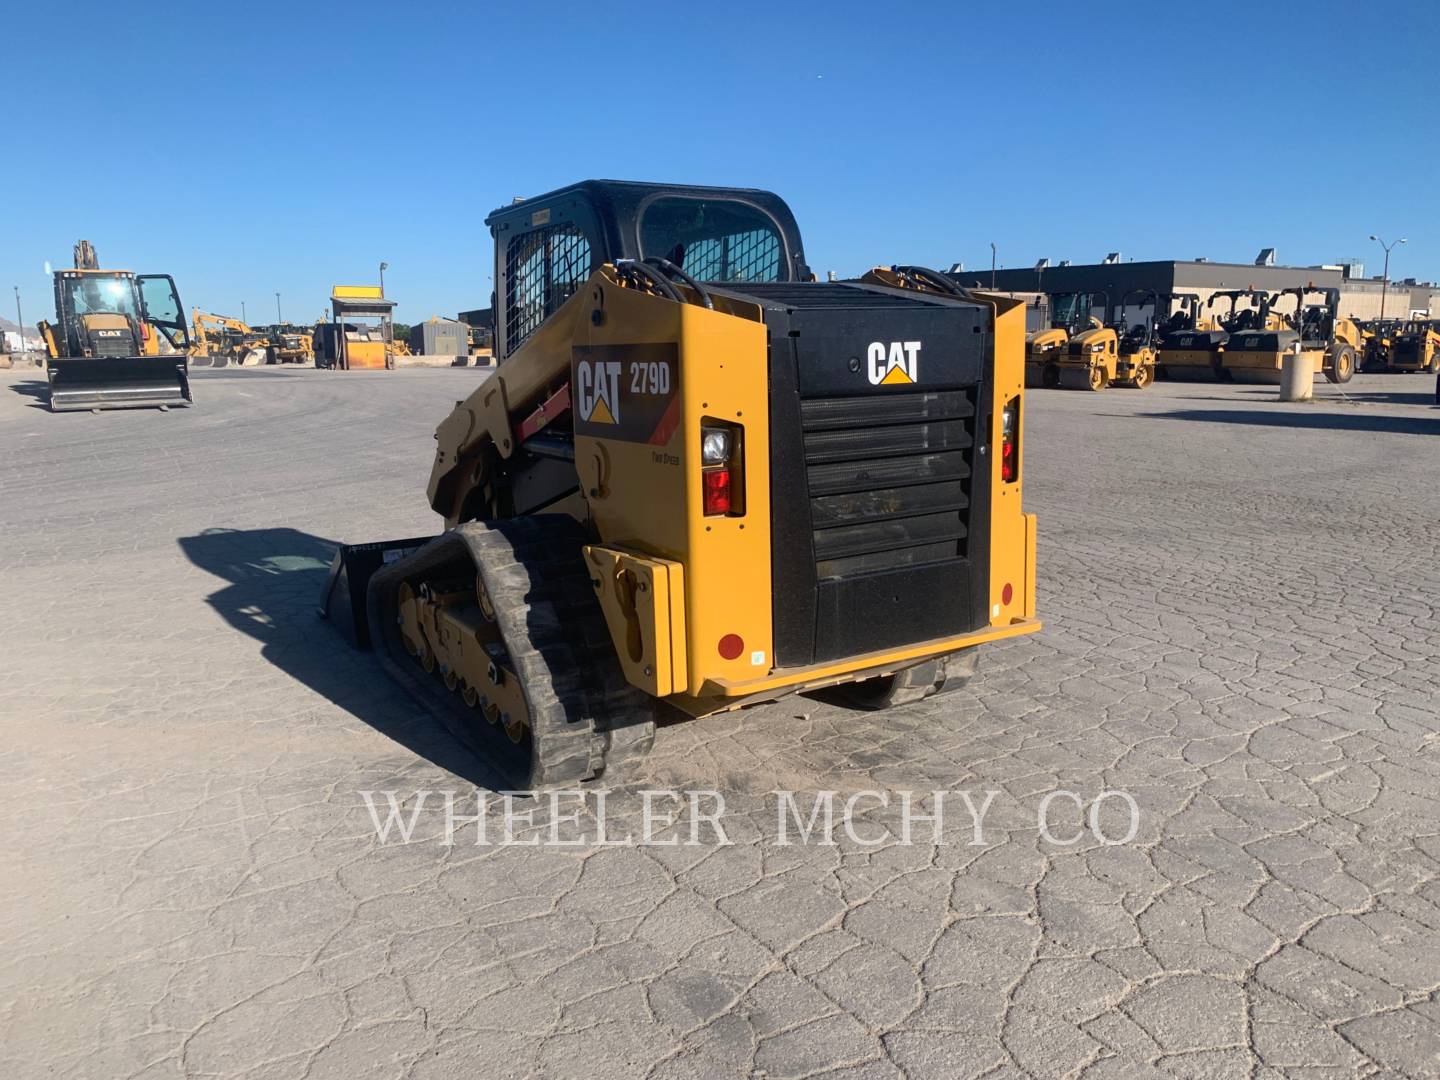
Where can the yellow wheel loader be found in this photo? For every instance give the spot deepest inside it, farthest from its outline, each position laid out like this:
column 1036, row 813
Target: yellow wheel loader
column 700, row 477
column 1376, row 336
column 119, row 340
column 1069, row 315
column 1330, row 343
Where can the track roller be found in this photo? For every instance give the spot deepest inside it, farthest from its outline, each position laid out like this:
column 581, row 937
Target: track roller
column 511, row 607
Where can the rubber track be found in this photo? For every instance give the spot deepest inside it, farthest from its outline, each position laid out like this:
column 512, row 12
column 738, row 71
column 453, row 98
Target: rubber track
column 585, row 718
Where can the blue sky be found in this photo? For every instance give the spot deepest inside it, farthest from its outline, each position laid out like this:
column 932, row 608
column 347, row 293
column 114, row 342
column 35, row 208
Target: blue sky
column 178, row 139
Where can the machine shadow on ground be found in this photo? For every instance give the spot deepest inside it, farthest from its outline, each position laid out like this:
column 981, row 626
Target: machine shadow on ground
column 1300, row 418
column 273, row 580
column 38, row 390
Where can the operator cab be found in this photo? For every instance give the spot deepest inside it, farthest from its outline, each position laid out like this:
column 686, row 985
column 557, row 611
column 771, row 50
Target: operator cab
column 546, row 247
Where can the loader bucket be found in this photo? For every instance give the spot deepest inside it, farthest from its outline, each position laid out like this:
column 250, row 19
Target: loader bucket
column 343, row 599
column 118, row 382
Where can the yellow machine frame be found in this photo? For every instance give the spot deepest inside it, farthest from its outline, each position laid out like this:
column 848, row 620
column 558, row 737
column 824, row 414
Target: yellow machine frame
column 726, row 585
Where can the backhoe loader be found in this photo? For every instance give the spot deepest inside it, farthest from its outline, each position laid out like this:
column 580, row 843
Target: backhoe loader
column 1069, row 315
column 701, row 478
column 1330, row 343
column 118, row 340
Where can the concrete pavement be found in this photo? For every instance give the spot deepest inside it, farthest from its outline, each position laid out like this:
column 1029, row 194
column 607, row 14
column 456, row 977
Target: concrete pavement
column 1241, row 635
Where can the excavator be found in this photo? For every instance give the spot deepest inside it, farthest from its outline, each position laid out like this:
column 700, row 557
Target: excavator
column 699, row 479
column 119, row 340
column 1254, row 353
column 1069, row 315
column 220, row 341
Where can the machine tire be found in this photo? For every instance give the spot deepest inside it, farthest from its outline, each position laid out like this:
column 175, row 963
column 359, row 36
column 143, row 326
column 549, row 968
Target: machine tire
column 1050, row 376
column 1144, row 376
column 584, row 717
column 1098, row 378
column 902, row 688
column 1341, row 368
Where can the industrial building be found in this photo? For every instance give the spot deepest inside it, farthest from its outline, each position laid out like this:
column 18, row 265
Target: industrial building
column 1360, row 297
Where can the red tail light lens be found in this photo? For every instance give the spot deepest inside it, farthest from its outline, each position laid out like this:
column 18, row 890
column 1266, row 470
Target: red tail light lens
column 715, row 484
column 1010, row 441
column 722, row 477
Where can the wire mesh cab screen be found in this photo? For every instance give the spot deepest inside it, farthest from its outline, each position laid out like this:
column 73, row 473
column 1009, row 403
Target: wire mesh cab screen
column 714, row 239
column 543, row 269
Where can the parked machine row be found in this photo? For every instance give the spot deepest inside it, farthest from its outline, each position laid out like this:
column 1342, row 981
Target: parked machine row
column 1177, row 338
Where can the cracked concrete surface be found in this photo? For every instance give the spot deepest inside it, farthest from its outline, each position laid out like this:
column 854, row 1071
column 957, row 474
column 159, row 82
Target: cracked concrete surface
column 1241, row 632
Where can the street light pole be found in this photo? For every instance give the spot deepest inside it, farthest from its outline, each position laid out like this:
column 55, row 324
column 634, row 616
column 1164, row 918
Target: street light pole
column 383, row 267
column 20, row 322
column 243, row 317
column 278, row 317
column 1385, row 275
column 992, row 265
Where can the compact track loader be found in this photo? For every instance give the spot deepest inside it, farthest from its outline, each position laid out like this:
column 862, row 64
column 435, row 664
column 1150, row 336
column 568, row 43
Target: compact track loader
column 1255, row 354
column 1414, row 347
column 118, row 341
column 1069, row 315
column 702, row 478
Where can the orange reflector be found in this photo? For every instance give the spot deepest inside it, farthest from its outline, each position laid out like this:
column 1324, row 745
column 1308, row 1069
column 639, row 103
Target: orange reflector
column 715, row 486
column 731, row 646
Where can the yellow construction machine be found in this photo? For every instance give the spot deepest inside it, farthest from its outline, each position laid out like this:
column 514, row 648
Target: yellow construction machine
column 1196, row 351
column 700, row 477
column 1316, row 331
column 1069, row 315
column 220, row 341
column 1117, row 353
column 1376, row 336
column 286, row 343
column 1415, row 346
column 119, row 340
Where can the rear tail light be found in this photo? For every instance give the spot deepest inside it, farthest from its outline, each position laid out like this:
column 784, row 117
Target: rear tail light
column 1010, row 441
column 716, row 486
column 722, row 477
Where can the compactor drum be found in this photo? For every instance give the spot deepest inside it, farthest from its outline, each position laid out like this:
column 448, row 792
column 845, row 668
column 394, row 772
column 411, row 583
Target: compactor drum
column 699, row 477
column 1046, row 349
column 1330, row 344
